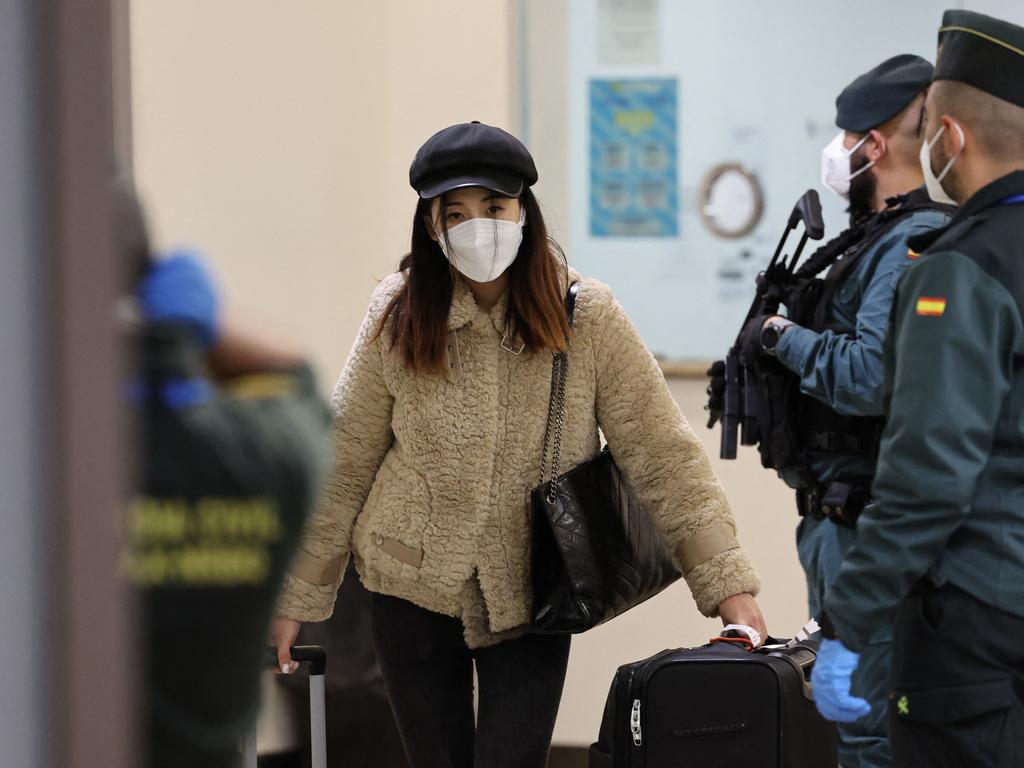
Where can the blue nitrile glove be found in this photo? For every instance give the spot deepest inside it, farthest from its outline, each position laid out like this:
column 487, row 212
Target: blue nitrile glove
column 831, row 678
column 180, row 289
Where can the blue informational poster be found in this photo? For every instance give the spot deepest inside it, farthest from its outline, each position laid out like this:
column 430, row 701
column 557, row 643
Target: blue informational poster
column 633, row 158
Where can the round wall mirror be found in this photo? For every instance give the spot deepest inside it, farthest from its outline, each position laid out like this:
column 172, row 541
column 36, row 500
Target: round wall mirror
column 730, row 202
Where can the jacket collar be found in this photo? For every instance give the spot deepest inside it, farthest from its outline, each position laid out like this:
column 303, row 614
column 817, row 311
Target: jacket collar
column 917, row 196
column 464, row 307
column 986, row 197
column 992, row 194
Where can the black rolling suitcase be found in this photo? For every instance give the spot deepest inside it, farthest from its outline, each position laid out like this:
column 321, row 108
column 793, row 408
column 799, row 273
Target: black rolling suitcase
column 718, row 705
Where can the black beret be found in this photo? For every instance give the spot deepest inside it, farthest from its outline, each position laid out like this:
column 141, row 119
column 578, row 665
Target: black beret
column 472, row 155
column 984, row 52
column 882, row 93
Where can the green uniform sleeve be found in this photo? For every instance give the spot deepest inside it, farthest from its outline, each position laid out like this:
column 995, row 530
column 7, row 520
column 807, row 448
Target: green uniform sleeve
column 954, row 332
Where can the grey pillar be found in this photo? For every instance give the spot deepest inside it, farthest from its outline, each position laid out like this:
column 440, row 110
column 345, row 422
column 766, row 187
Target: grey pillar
column 25, row 398
column 65, row 634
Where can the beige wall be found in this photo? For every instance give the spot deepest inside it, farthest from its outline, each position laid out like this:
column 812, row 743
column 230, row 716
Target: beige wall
column 277, row 137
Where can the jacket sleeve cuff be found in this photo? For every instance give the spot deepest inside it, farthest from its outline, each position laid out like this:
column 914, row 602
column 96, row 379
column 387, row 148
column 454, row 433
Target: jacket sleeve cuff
column 704, row 545
column 315, row 570
column 724, row 575
column 794, row 347
column 301, row 601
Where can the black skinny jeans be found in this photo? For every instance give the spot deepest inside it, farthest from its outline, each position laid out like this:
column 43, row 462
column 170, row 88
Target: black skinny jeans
column 428, row 673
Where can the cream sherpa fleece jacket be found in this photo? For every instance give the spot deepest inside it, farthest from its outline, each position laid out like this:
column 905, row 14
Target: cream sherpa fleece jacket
column 431, row 477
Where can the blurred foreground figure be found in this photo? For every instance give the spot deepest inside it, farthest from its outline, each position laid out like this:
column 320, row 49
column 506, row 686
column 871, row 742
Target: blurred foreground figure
column 230, row 449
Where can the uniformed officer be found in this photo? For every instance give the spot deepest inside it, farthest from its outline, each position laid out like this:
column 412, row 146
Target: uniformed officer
column 231, row 437
column 836, row 351
column 942, row 547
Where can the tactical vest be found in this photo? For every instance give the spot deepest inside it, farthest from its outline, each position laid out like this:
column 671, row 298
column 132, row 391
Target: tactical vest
column 799, row 424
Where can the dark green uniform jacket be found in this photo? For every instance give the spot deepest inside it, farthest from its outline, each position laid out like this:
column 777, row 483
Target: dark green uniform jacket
column 227, row 476
column 949, row 490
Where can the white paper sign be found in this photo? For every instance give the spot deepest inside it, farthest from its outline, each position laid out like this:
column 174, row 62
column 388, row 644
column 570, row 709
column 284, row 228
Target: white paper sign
column 629, row 32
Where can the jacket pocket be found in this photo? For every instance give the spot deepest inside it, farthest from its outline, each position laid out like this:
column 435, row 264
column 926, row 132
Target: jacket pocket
column 956, row 724
column 390, row 529
column 401, row 552
column 953, row 703
column 931, row 610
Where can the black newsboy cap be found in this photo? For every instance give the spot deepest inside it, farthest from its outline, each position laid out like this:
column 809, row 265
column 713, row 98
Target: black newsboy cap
column 472, row 155
column 882, row 93
column 982, row 51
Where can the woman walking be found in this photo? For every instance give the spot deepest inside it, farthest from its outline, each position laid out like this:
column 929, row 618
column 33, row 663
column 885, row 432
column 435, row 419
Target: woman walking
column 439, row 422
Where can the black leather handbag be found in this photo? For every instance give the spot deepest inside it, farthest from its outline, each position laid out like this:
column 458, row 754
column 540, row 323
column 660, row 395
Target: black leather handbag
column 595, row 552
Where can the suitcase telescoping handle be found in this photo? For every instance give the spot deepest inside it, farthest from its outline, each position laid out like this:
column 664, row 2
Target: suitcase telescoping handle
column 316, row 657
column 313, row 655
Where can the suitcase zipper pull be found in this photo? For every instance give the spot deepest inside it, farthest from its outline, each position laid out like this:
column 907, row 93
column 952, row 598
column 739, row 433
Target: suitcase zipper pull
column 634, row 724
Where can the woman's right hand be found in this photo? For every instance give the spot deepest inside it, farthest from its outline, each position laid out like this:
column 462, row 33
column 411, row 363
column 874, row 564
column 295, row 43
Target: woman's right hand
column 282, row 634
column 743, row 609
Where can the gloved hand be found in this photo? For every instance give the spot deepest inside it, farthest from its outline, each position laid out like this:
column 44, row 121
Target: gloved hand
column 716, row 392
column 831, row 678
column 750, row 344
column 180, row 289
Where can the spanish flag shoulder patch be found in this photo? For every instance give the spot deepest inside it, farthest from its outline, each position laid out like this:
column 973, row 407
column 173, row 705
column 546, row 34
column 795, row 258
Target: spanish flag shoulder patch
column 929, row 306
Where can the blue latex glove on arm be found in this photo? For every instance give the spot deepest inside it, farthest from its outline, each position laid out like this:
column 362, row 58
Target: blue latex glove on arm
column 180, row 289
column 833, row 672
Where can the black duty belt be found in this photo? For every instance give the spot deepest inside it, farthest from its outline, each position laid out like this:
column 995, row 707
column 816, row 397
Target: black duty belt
column 839, row 442
column 839, row 502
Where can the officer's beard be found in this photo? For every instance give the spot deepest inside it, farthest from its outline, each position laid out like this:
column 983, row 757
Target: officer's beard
column 862, row 191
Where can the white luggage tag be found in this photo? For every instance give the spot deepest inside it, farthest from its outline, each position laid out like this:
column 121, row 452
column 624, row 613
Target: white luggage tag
column 805, row 632
column 747, row 631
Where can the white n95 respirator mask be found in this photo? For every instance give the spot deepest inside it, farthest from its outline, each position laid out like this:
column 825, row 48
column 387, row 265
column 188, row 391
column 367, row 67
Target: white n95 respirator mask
column 934, row 183
column 482, row 249
column 835, row 165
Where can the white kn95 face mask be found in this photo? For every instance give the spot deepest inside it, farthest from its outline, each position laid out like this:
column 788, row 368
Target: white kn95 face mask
column 482, row 249
column 936, row 191
column 835, row 165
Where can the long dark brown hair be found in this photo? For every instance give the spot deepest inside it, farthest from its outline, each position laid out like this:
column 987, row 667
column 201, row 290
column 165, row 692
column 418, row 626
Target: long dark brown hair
column 536, row 306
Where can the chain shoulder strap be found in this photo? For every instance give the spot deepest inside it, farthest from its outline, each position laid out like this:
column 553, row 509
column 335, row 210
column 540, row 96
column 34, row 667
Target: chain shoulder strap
column 556, row 405
column 556, row 421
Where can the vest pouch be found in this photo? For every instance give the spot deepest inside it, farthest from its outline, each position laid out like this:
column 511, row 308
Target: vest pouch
column 842, row 503
column 779, row 393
